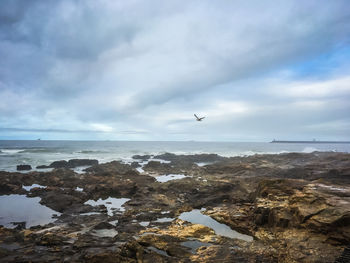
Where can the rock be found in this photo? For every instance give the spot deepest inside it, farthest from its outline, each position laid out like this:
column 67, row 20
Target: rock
column 135, row 165
column 58, row 201
column 59, row 164
column 43, row 167
column 82, row 162
column 112, row 167
column 158, row 167
column 142, row 157
column 190, row 158
column 50, row 239
column 103, row 225
column 72, row 163
column 296, row 206
column 19, row 225
column 8, row 188
column 24, row 167
column 344, row 257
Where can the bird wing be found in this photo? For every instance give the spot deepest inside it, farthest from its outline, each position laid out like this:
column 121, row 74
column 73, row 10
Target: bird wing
column 196, row 116
column 201, row 118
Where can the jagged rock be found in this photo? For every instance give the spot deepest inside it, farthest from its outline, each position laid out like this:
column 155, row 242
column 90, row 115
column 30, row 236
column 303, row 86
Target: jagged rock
column 9, row 188
column 59, row 164
column 58, row 201
column 142, row 157
column 158, row 167
column 135, row 164
column 190, row 158
column 24, row 167
column 81, row 162
column 19, row 225
column 112, row 167
column 104, row 225
column 296, row 206
column 43, row 167
column 70, row 164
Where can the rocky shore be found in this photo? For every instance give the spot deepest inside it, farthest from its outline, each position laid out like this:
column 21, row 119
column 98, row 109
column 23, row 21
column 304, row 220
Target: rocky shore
column 185, row 208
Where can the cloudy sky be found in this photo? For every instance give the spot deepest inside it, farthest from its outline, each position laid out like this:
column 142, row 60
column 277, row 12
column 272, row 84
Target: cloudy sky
column 139, row 70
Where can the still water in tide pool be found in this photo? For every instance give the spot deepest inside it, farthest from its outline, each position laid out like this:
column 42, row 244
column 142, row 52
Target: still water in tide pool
column 20, row 208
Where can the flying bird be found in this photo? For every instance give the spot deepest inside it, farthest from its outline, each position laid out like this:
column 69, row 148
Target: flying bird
column 197, row 118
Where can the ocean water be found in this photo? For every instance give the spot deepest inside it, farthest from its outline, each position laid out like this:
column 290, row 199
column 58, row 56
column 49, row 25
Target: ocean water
column 43, row 152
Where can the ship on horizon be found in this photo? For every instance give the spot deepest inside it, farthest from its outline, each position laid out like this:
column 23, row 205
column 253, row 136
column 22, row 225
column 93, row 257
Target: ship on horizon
column 311, row 141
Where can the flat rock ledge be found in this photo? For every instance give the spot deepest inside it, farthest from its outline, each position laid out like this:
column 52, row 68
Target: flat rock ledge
column 296, row 208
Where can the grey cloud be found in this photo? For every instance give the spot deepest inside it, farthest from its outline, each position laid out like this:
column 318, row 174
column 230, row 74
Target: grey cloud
column 124, row 63
column 69, row 131
column 12, row 11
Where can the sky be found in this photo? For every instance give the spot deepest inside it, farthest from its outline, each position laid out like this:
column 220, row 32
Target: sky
column 139, row 70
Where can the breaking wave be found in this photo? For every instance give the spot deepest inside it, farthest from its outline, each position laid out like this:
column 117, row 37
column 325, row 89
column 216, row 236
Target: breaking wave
column 11, row 151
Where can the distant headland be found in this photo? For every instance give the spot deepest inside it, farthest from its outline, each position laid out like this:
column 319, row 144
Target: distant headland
column 312, row 141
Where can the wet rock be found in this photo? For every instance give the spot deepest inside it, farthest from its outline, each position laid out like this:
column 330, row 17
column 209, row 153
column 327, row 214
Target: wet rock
column 135, row 165
column 158, row 167
column 19, row 225
column 70, row 164
column 344, row 257
column 24, row 167
column 112, row 167
column 59, row 164
column 9, row 188
column 82, row 162
column 58, row 201
column 190, row 158
column 43, row 167
column 103, row 225
column 142, row 157
column 295, row 205
column 50, row 239
column 106, row 257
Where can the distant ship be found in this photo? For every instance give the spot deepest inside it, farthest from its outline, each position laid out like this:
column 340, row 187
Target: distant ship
column 313, row 141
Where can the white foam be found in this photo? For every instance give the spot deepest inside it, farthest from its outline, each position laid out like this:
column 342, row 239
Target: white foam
column 105, row 233
column 144, row 223
column 169, row 177
column 80, row 169
column 164, row 219
column 90, row 213
column 159, row 160
column 11, row 151
column 30, row 187
column 309, row 150
column 110, row 203
column 114, row 222
column 204, row 163
column 140, row 170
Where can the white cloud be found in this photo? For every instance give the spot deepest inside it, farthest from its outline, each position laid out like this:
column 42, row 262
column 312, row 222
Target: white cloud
column 338, row 86
column 146, row 67
column 101, row 127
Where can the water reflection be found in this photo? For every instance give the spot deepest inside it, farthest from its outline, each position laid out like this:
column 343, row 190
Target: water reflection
column 20, row 208
column 196, row 217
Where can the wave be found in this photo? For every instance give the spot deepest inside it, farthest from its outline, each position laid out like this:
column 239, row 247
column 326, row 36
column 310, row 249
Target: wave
column 90, row 151
column 41, row 150
column 33, row 150
column 11, row 151
column 310, row 150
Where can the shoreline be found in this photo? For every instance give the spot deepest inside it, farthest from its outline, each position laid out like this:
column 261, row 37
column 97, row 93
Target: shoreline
column 170, row 208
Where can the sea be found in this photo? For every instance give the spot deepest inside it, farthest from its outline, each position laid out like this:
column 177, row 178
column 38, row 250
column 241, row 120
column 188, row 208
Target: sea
column 42, row 152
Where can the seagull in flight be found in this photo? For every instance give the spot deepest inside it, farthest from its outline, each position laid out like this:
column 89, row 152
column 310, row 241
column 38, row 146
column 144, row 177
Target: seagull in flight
column 197, row 118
